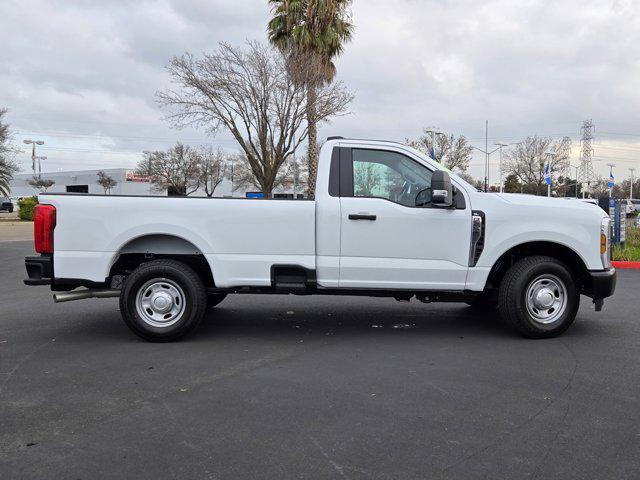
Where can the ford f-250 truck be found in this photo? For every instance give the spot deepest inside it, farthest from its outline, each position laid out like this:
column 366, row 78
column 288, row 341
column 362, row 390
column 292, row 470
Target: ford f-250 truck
column 386, row 221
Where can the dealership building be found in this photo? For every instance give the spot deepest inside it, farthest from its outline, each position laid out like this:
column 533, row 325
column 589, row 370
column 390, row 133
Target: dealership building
column 85, row 181
column 128, row 183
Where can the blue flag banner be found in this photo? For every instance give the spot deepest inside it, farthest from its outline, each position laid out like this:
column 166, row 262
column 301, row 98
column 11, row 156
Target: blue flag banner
column 611, row 180
column 547, row 174
column 433, row 153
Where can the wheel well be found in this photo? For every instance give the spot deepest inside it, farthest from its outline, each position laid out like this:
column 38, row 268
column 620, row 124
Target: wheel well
column 550, row 249
column 152, row 247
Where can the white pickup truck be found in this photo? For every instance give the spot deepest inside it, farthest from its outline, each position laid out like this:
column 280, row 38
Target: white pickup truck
column 386, row 221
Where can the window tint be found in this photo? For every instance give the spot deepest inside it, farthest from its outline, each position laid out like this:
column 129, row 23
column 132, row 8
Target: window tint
column 390, row 175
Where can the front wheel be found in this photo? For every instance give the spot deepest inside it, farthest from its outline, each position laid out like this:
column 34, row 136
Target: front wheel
column 538, row 297
column 163, row 300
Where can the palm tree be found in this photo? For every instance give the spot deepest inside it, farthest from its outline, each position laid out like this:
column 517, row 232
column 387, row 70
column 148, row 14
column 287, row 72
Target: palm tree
column 312, row 33
column 6, row 174
column 7, row 166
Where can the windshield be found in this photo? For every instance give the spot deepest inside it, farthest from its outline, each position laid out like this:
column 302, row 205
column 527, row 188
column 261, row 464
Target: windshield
column 466, row 184
column 441, row 166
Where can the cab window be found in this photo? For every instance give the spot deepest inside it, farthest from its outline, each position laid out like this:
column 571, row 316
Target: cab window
column 389, row 175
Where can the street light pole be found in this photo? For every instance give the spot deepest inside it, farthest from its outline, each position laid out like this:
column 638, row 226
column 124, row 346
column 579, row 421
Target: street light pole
column 500, row 145
column 577, row 168
column 33, row 151
column 486, row 178
column 434, row 133
column 40, row 158
column 486, row 158
column 631, row 184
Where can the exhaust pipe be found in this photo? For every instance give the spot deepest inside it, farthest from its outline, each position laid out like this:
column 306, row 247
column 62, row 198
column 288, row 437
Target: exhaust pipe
column 82, row 294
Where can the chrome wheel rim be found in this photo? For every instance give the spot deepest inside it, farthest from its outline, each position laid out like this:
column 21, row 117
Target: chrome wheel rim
column 546, row 299
column 160, row 302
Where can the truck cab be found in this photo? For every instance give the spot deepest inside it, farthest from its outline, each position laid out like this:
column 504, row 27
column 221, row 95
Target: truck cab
column 385, row 221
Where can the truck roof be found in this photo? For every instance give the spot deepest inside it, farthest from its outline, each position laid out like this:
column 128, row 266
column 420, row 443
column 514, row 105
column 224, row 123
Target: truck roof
column 350, row 139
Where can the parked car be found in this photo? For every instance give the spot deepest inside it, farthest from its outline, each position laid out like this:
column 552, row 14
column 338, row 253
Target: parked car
column 636, row 204
column 386, row 221
column 6, row 205
column 627, row 206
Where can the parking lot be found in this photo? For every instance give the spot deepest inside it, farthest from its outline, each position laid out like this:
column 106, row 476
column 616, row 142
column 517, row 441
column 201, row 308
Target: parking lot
column 314, row 387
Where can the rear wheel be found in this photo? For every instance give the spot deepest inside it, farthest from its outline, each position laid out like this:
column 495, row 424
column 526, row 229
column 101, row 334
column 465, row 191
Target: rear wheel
column 163, row 300
column 538, row 297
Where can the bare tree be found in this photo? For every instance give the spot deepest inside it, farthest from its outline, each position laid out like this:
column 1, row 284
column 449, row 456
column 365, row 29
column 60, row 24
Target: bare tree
column 243, row 176
column 453, row 152
column 176, row 169
column 600, row 188
column 366, row 177
column 250, row 93
column 294, row 175
column 106, row 182
column 213, row 166
column 527, row 161
column 623, row 189
column 41, row 184
column 467, row 178
column 298, row 173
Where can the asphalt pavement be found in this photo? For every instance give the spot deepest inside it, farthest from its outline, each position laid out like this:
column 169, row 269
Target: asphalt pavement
column 286, row 387
column 15, row 231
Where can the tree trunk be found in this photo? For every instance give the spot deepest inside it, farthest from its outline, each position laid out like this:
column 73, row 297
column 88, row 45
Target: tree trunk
column 312, row 151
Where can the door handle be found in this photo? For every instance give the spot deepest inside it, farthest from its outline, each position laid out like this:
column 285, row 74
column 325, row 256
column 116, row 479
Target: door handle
column 360, row 216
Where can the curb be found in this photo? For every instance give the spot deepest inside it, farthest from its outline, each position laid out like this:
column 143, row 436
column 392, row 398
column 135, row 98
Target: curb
column 626, row 265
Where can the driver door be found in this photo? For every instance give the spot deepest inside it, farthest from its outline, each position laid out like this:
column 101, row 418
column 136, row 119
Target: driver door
column 386, row 241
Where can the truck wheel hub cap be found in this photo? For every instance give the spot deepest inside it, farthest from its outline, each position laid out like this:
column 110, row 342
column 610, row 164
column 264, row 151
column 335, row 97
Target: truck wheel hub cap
column 546, row 299
column 160, row 302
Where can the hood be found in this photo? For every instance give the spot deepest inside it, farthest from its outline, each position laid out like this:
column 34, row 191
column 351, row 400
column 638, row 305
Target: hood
column 534, row 206
column 552, row 202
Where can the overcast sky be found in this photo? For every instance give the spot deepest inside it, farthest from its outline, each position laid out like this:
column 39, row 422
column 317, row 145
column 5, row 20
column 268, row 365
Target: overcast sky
column 81, row 74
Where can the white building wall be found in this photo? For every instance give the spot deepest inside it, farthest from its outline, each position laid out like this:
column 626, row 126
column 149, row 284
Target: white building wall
column 20, row 188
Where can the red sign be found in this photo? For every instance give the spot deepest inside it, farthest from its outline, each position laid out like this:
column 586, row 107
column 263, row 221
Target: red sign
column 132, row 176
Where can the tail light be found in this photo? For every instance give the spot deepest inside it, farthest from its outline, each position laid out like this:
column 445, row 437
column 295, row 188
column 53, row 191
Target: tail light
column 44, row 221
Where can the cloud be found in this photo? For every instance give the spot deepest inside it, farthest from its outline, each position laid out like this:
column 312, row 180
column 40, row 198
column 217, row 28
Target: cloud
column 82, row 74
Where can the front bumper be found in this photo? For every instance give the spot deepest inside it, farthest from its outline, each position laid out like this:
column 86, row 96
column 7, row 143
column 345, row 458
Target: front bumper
column 39, row 270
column 600, row 284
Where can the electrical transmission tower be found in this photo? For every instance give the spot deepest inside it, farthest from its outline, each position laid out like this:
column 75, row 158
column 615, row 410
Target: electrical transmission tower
column 586, row 174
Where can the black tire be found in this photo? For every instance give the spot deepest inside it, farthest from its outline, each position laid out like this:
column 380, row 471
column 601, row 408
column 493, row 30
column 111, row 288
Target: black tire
column 520, row 312
column 183, row 287
column 213, row 299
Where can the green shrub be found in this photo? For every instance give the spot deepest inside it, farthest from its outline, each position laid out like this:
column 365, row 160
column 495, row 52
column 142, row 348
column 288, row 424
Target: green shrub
column 26, row 206
column 631, row 250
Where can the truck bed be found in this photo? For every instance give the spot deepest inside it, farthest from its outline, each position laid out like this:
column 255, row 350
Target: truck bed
column 240, row 238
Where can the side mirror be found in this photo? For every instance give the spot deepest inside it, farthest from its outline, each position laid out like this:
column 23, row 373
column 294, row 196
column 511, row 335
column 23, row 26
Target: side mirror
column 441, row 189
